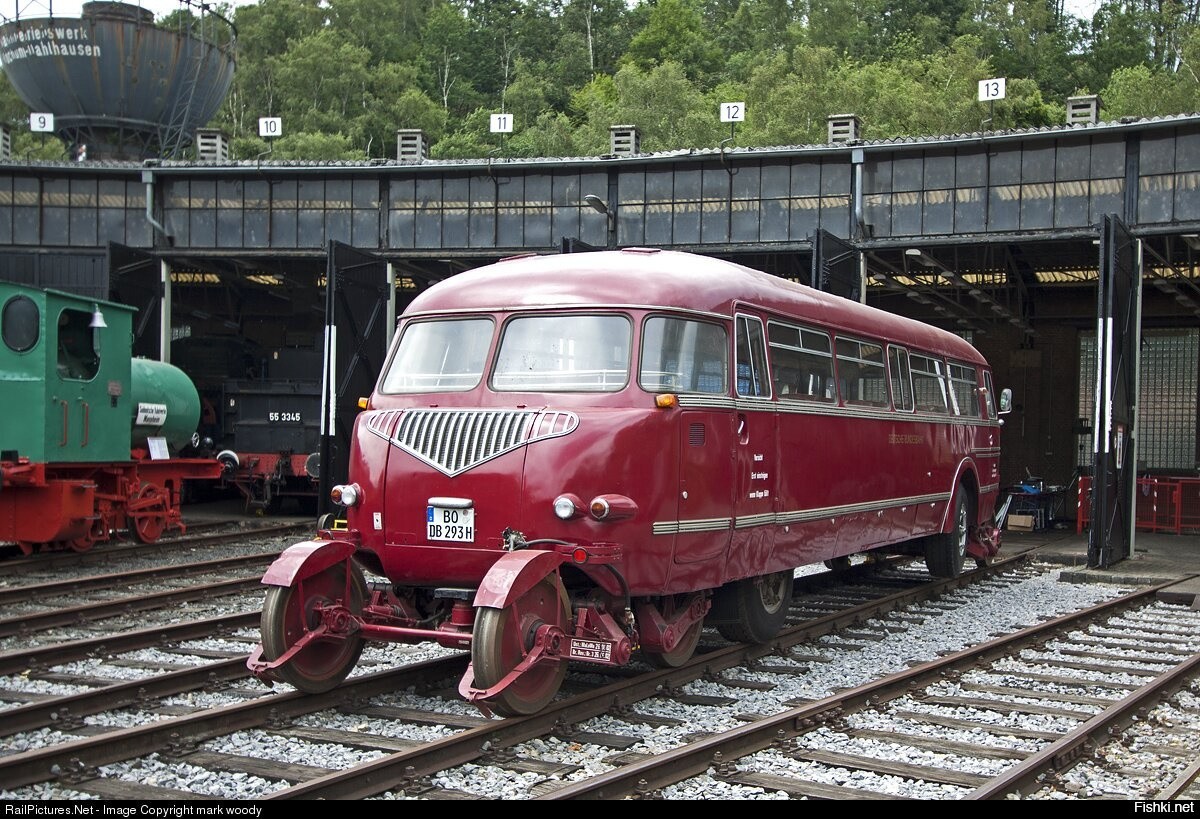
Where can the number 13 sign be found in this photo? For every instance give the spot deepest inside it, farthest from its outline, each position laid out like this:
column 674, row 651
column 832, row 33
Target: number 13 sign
column 990, row 90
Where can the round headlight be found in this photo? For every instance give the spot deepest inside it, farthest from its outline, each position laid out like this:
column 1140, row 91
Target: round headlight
column 564, row 508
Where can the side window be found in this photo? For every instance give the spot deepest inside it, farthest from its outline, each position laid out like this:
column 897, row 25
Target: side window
column 929, row 384
column 988, row 395
column 862, row 378
column 680, row 355
column 964, row 386
column 901, row 379
column 802, row 363
column 77, row 359
column 752, row 378
column 19, row 324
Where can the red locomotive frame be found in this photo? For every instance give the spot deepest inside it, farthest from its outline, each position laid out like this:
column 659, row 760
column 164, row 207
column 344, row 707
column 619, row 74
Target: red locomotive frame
column 51, row 506
column 579, row 457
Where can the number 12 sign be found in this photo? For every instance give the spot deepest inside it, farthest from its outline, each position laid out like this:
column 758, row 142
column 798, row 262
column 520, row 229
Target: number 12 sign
column 733, row 112
column 990, row 90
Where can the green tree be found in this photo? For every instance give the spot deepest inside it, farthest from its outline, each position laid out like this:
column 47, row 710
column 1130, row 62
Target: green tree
column 675, row 33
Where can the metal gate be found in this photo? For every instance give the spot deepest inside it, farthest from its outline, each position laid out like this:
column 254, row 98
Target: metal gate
column 1114, row 437
column 135, row 278
column 359, row 297
column 835, row 266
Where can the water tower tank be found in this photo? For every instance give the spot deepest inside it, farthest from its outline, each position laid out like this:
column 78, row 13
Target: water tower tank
column 117, row 83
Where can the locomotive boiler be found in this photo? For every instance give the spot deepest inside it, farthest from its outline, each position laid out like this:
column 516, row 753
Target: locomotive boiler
column 90, row 438
column 576, row 458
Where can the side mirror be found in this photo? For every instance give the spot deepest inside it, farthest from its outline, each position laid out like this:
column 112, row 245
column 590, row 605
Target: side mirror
column 1005, row 401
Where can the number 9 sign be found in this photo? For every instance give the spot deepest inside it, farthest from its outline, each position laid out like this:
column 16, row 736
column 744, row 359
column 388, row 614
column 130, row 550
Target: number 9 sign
column 41, row 123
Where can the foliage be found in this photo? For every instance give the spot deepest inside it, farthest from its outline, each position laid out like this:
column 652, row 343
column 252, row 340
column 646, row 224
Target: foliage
column 344, row 75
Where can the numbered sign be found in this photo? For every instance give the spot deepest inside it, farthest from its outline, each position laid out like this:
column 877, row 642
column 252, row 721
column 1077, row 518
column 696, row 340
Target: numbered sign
column 991, row 90
column 270, row 126
column 733, row 112
column 41, row 123
column 502, row 123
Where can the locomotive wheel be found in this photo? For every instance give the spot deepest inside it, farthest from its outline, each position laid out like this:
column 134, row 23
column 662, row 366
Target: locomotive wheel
column 503, row 637
column 290, row 611
column 82, row 544
column 944, row 554
column 756, row 607
column 686, row 647
column 152, row 522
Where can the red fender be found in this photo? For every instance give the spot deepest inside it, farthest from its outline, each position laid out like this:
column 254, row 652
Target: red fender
column 304, row 560
column 513, row 575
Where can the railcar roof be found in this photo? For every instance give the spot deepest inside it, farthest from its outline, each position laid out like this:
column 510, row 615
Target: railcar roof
column 671, row 279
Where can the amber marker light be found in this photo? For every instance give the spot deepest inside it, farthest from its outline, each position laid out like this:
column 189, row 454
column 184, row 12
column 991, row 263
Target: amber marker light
column 666, row 401
column 345, row 494
column 362, row 403
column 599, row 508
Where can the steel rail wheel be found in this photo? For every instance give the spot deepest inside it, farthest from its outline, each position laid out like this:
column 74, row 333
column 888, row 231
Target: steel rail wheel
column 686, row 647
column 755, row 609
column 290, row 612
column 503, row 637
column 150, row 517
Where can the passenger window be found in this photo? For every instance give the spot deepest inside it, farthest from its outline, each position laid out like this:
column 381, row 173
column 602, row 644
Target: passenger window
column 679, row 355
column 964, row 387
column 862, row 378
column 77, row 359
column 752, row 379
column 901, row 379
column 802, row 362
column 929, row 384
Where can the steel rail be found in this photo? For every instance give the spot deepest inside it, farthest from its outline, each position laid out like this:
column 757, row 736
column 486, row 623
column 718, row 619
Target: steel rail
column 100, row 610
column 99, row 582
column 107, row 552
column 1066, row 752
column 46, row 763
column 695, row 758
column 400, row 769
column 37, row 657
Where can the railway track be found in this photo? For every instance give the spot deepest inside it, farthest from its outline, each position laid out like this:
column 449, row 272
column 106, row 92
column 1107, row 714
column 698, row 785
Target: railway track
column 14, row 566
column 213, row 706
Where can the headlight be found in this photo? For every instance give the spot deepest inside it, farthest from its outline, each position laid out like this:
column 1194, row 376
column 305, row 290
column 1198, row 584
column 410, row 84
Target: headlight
column 346, row 494
column 567, row 507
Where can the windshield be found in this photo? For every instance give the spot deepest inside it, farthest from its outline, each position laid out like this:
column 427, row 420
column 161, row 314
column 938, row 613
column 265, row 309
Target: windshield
column 563, row 353
column 439, row 356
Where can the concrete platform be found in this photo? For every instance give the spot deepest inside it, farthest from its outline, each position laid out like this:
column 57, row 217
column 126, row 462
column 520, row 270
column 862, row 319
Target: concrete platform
column 1157, row 558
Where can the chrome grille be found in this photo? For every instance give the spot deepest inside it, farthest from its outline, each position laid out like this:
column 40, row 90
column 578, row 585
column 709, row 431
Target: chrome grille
column 453, row 441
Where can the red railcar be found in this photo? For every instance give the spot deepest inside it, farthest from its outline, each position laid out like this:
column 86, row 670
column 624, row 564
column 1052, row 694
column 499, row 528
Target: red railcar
column 576, row 457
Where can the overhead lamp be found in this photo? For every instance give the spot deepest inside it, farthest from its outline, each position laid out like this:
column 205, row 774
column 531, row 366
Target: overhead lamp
column 600, row 206
column 596, row 203
column 1192, row 240
column 920, row 256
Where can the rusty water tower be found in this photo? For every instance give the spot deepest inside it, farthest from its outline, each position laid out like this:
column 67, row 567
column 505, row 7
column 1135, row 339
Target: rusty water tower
column 120, row 86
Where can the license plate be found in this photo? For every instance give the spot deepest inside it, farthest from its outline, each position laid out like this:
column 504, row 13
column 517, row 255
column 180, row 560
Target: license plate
column 443, row 523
